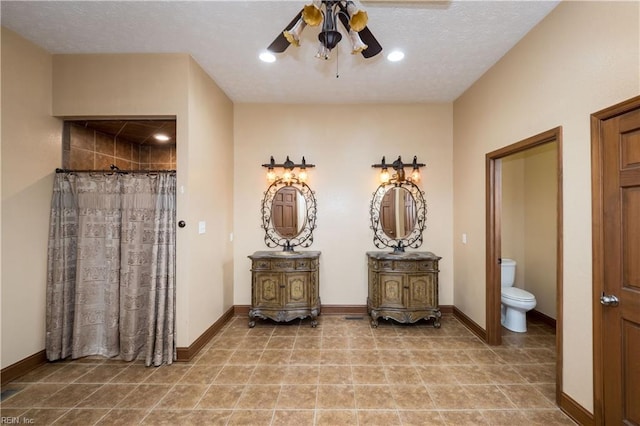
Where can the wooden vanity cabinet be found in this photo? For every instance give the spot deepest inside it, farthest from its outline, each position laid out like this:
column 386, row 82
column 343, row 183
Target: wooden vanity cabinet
column 285, row 286
column 403, row 287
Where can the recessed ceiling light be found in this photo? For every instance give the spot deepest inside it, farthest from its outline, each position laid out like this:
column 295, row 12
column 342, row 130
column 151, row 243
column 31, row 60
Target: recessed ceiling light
column 160, row 137
column 395, row 56
column 267, row 57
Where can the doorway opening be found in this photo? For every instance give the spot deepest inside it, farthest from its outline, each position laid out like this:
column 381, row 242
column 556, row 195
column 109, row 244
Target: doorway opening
column 494, row 224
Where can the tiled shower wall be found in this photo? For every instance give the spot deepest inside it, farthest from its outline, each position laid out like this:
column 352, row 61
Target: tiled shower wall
column 86, row 149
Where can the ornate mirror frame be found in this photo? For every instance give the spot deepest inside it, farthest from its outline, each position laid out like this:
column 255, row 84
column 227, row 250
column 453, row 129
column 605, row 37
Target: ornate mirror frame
column 414, row 238
column 305, row 237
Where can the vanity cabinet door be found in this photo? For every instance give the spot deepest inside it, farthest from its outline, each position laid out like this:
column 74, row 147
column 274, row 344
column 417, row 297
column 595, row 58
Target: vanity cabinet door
column 391, row 291
column 267, row 290
column 296, row 290
column 421, row 292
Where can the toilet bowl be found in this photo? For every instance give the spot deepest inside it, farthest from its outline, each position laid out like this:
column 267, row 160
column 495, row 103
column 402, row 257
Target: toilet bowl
column 515, row 301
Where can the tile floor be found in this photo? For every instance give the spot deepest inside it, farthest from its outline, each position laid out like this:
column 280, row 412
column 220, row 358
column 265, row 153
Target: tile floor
column 341, row 373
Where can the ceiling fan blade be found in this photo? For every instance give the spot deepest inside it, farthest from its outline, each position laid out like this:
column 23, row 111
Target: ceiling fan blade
column 368, row 39
column 280, row 44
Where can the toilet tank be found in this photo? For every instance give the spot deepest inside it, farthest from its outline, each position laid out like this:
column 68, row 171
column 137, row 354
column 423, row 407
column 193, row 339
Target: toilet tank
column 508, row 272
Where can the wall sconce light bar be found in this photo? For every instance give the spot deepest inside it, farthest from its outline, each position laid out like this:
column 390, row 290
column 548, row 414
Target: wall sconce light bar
column 399, row 166
column 288, row 167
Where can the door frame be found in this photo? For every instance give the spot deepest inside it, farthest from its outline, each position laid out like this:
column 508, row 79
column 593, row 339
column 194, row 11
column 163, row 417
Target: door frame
column 597, row 238
column 494, row 235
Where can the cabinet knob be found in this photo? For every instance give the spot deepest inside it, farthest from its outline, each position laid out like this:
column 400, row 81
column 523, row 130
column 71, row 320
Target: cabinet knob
column 282, row 286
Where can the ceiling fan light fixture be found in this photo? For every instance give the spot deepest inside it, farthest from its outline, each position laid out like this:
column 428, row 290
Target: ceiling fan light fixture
column 312, row 14
column 358, row 17
column 323, row 52
column 330, row 38
column 395, row 56
column 326, row 13
column 293, row 35
column 357, row 45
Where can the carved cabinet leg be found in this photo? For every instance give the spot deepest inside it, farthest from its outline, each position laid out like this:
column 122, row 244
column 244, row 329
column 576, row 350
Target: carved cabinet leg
column 436, row 319
column 374, row 319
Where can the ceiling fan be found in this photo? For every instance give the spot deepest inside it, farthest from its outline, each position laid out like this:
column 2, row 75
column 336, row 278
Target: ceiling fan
column 326, row 13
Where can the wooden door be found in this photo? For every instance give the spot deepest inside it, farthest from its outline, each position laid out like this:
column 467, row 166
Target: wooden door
column 409, row 213
column 285, row 212
column 388, row 213
column 616, row 194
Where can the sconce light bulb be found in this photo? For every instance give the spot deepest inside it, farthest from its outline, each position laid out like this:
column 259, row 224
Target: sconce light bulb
column 384, row 176
column 415, row 175
column 271, row 175
column 287, row 175
column 303, row 175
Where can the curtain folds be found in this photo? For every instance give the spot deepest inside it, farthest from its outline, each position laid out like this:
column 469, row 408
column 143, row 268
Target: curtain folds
column 111, row 267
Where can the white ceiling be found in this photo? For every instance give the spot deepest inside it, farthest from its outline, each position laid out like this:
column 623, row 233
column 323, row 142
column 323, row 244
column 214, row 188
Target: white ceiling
column 448, row 44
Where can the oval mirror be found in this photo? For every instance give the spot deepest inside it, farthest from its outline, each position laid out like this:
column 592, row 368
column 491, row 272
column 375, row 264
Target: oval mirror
column 397, row 213
column 288, row 212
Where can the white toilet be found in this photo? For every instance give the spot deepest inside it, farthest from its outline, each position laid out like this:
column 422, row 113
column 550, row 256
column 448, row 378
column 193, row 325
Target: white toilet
column 515, row 301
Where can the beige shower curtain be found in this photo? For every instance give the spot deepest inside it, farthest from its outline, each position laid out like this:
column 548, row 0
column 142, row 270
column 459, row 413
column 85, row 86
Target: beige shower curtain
column 111, row 266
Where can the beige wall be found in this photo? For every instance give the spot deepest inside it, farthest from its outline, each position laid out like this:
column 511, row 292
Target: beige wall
column 540, row 227
column 529, row 213
column 121, row 85
column 583, row 57
column 343, row 141
column 28, row 131
column 209, row 272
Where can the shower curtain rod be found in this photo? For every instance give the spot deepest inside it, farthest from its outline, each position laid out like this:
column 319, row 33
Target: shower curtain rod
column 113, row 170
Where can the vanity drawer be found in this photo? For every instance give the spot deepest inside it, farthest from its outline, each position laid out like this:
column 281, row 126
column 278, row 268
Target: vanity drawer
column 404, row 266
column 386, row 265
column 307, row 264
column 262, row 265
column 426, row 265
column 268, row 265
column 283, row 264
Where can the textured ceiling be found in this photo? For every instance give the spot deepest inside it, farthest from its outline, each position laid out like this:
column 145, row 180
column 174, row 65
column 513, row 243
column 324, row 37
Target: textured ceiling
column 448, row 44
